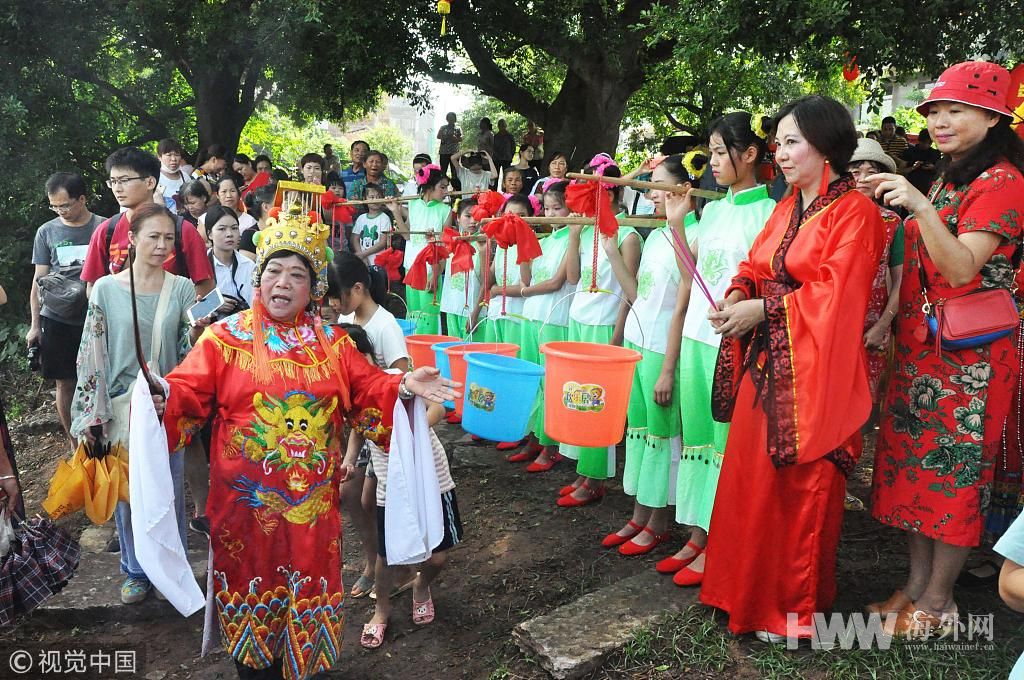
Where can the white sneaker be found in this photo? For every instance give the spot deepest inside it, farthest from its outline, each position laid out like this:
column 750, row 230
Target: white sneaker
column 771, row 638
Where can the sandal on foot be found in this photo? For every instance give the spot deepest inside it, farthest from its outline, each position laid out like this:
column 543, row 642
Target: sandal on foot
column 913, row 623
column 614, row 540
column 544, row 467
column 631, row 548
column 593, row 495
column 364, row 584
column 423, row 612
column 373, row 635
column 566, row 490
column 894, row 605
column 528, row 452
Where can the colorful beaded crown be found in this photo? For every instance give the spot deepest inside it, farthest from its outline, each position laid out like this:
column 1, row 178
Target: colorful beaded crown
column 300, row 232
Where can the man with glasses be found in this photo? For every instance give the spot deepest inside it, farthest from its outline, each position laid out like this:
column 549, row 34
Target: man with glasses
column 58, row 252
column 133, row 179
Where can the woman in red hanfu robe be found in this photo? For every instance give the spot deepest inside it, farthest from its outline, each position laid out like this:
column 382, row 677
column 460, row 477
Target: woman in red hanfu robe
column 279, row 385
column 791, row 377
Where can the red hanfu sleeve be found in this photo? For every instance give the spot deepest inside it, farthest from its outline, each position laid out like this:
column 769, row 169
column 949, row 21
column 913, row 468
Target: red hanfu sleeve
column 815, row 334
column 373, row 393
column 193, row 391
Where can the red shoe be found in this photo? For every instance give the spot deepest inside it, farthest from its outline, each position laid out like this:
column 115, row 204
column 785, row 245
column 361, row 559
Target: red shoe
column 671, row 565
column 508, row 446
column 688, row 577
column 567, row 489
column 614, row 540
column 544, row 467
column 453, row 418
column 594, row 495
column 475, row 438
column 632, row 549
column 528, row 453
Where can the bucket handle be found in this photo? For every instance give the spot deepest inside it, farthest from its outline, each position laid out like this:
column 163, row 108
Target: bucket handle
column 629, row 306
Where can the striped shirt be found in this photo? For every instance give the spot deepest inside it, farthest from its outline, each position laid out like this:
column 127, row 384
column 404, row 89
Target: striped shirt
column 894, row 147
column 379, row 459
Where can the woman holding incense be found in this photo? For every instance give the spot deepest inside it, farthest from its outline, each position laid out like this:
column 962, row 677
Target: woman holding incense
column 427, row 214
column 546, row 311
column 791, row 377
column 654, row 329
column 597, row 314
column 720, row 242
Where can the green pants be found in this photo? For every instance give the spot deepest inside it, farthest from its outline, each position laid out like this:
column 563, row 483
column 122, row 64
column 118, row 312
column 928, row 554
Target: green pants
column 424, row 310
column 502, row 330
column 529, row 349
column 595, row 463
column 653, row 440
column 457, row 326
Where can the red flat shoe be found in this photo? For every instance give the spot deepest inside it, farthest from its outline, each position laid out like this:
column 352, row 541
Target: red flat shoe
column 567, row 489
column 544, row 467
column 632, row 549
column 528, row 453
column 614, row 540
column 593, row 495
column 671, row 564
column 508, row 446
column 475, row 438
column 688, row 577
column 453, row 418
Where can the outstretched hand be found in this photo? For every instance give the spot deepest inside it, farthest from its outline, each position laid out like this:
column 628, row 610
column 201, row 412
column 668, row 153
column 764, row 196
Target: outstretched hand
column 427, row 382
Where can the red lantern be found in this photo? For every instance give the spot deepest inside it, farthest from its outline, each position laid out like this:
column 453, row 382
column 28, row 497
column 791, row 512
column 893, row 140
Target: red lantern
column 851, row 71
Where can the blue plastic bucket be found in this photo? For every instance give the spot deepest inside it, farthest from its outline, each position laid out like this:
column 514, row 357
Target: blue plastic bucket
column 408, row 326
column 441, row 361
column 500, row 395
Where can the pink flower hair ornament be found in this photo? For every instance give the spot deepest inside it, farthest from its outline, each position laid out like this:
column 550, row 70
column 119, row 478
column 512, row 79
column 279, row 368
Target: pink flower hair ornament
column 423, row 174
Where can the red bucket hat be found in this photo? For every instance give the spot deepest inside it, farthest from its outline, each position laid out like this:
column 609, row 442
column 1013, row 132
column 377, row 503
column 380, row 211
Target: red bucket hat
column 978, row 83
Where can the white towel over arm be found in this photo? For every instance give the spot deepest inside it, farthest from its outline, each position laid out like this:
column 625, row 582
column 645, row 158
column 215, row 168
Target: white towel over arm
column 413, row 522
column 154, row 524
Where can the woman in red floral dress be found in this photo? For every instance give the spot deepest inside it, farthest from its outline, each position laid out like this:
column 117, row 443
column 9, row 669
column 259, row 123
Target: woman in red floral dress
column 945, row 410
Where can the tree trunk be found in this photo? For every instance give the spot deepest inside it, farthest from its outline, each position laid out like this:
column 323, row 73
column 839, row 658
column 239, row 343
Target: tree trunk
column 585, row 117
column 221, row 109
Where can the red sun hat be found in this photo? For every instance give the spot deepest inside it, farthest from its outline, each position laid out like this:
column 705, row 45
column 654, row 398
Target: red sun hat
column 978, row 83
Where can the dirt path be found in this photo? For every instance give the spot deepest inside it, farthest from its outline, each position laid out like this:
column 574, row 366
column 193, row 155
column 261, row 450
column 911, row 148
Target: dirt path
column 522, row 556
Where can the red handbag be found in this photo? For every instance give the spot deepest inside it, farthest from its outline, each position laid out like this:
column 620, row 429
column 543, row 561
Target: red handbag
column 976, row 318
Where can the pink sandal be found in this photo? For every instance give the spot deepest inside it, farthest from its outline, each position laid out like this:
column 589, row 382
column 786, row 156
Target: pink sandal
column 423, row 612
column 373, row 635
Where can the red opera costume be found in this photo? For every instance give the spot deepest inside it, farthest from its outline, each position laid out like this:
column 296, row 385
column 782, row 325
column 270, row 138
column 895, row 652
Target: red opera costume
column 797, row 392
column 278, row 415
column 878, row 360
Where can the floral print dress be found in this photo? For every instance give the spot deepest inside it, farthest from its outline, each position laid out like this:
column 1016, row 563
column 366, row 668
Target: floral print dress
column 944, row 412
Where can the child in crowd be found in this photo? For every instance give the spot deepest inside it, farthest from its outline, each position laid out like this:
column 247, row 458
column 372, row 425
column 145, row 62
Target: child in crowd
column 654, row 328
column 258, row 204
column 469, row 168
column 371, row 227
column 356, row 294
column 721, row 239
column 339, row 216
column 508, row 278
column 461, row 293
column 546, row 303
column 596, row 316
column 428, row 214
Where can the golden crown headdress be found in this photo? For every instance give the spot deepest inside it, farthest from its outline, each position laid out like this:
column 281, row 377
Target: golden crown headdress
column 294, row 225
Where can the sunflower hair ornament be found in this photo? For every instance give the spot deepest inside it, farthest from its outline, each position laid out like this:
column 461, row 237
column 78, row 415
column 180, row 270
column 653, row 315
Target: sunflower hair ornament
column 298, row 231
column 757, row 126
column 695, row 162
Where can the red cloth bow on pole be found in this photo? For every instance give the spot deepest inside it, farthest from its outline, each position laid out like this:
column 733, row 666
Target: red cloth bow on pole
column 512, row 230
column 390, row 260
column 462, row 252
column 488, row 203
column 433, row 254
column 588, row 198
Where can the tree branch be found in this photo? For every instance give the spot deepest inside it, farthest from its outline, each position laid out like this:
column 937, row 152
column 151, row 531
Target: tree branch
column 129, row 103
column 679, row 124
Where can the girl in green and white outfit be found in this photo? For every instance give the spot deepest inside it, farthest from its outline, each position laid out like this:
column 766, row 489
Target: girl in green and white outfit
column 654, row 329
column 724, row 234
column 596, row 317
column 428, row 213
column 461, row 293
column 546, row 308
column 508, row 278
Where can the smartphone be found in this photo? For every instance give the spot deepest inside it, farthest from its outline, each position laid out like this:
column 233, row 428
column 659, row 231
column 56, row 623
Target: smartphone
column 206, row 306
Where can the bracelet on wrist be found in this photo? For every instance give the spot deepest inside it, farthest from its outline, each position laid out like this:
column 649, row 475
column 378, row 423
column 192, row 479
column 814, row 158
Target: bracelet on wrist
column 6, row 477
column 404, row 393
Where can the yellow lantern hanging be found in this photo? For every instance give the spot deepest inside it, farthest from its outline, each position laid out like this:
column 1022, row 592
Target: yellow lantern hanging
column 444, row 8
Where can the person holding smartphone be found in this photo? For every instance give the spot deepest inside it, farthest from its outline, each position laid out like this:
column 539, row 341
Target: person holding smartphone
column 232, row 271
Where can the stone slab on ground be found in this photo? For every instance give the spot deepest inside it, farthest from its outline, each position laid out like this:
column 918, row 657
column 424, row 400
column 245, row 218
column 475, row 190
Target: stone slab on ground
column 94, row 594
column 94, row 537
column 576, row 638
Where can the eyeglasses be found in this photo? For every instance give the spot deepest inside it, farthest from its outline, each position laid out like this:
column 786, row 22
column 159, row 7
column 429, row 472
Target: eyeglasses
column 121, row 181
column 63, row 208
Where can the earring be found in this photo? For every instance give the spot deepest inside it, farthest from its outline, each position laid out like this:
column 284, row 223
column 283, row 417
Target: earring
column 825, row 174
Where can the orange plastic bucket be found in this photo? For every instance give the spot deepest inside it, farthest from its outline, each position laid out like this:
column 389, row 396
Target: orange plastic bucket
column 586, row 392
column 457, row 361
column 421, row 348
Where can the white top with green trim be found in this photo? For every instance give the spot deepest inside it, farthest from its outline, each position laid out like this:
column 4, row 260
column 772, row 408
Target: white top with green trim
column 601, row 308
column 424, row 216
column 511, row 277
column 550, row 307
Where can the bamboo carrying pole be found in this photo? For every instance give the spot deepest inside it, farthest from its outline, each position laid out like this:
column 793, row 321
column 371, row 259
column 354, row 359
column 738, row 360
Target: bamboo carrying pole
column 400, row 199
column 637, row 184
column 558, row 221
